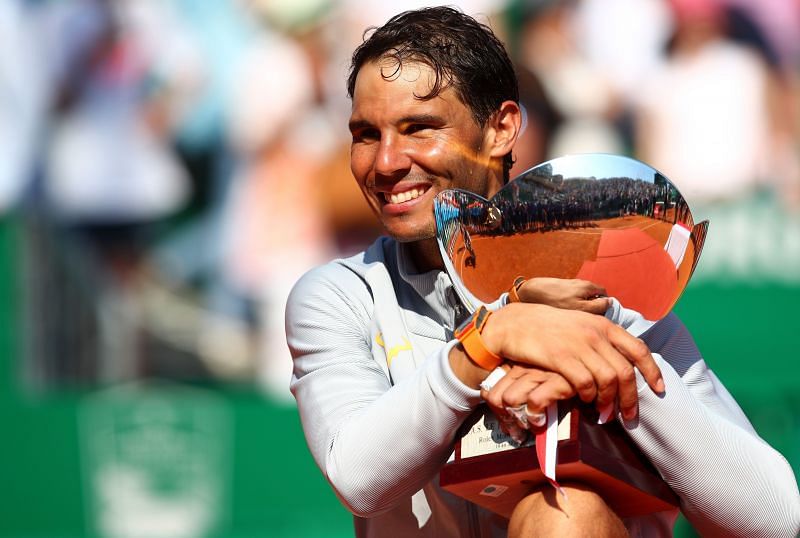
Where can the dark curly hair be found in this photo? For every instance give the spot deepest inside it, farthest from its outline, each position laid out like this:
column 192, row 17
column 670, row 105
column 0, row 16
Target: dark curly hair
column 462, row 52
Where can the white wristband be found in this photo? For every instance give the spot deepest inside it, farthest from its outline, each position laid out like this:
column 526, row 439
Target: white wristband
column 492, row 379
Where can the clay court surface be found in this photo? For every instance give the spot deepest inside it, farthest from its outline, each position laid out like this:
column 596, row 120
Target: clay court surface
column 625, row 255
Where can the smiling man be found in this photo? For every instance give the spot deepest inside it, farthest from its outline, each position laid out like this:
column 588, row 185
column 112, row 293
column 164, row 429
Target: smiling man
column 406, row 149
column 386, row 369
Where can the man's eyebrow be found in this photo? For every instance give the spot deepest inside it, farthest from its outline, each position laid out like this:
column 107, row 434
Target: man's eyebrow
column 422, row 118
column 356, row 125
column 431, row 119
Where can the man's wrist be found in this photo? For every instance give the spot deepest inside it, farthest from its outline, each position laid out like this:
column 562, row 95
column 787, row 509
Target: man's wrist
column 465, row 369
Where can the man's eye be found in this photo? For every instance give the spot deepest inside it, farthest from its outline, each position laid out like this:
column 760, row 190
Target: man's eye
column 417, row 127
column 366, row 135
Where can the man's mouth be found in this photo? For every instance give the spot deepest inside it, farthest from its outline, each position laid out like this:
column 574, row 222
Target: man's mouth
column 405, row 196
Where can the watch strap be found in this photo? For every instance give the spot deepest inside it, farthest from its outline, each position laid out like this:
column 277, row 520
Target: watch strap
column 469, row 334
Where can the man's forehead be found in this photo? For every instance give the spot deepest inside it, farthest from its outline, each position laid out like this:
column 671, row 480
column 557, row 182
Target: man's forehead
column 391, row 68
column 388, row 68
column 410, row 79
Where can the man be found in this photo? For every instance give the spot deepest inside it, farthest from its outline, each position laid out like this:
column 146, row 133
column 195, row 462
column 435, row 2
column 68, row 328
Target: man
column 382, row 385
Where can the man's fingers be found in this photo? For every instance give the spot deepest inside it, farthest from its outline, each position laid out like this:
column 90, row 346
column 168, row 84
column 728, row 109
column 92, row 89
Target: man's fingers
column 627, row 391
column 590, row 289
column 593, row 298
column 554, row 389
column 494, row 397
column 598, row 305
column 517, row 393
column 637, row 352
column 594, row 355
column 578, row 376
column 604, row 374
column 514, row 398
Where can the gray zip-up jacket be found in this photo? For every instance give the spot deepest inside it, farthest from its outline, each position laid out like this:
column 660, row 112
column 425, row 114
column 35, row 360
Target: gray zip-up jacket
column 380, row 407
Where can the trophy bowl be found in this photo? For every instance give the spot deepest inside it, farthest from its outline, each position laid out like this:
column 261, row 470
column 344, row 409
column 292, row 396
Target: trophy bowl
column 608, row 219
column 605, row 218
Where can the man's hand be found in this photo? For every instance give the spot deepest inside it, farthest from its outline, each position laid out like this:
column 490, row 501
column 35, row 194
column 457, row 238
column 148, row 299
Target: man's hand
column 570, row 294
column 595, row 356
column 528, row 387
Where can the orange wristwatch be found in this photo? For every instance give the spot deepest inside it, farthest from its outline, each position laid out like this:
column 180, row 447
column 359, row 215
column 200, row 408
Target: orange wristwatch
column 469, row 334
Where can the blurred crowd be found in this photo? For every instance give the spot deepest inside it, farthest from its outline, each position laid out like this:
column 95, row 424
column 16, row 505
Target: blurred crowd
column 177, row 165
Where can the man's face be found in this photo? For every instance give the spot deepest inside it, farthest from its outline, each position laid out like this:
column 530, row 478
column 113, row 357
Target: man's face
column 406, row 150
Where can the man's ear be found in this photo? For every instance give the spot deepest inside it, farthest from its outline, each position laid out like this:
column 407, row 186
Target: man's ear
column 505, row 128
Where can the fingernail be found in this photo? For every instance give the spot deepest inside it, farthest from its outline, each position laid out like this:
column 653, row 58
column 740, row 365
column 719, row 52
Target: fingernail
column 605, row 413
column 660, row 387
column 629, row 414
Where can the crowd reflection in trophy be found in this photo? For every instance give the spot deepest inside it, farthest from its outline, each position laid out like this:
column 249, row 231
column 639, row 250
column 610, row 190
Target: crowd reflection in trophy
column 561, row 204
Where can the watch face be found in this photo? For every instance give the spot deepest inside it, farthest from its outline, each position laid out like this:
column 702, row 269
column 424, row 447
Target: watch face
column 477, row 320
column 461, row 329
column 480, row 318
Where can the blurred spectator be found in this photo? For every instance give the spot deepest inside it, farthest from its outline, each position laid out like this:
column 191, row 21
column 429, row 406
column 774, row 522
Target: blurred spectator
column 109, row 161
column 706, row 116
column 274, row 227
column 541, row 121
column 24, row 98
column 623, row 39
column 578, row 90
column 719, row 120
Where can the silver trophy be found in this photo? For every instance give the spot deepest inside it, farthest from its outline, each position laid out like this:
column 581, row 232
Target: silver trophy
column 608, row 219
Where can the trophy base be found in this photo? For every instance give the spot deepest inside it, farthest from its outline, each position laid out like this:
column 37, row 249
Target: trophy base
column 602, row 457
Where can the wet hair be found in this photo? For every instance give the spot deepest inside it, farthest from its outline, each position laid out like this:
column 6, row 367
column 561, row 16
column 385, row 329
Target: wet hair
column 462, row 53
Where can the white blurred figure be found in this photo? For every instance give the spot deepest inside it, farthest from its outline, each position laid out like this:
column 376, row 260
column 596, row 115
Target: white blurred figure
column 108, row 163
column 110, row 173
column 705, row 116
column 273, row 227
column 773, row 26
column 24, row 99
column 623, row 39
column 551, row 48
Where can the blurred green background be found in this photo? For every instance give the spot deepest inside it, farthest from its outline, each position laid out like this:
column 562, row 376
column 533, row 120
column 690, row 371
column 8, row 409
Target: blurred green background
column 271, row 487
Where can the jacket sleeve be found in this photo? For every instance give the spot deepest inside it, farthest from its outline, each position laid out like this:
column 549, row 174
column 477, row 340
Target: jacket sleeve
column 375, row 443
column 730, row 482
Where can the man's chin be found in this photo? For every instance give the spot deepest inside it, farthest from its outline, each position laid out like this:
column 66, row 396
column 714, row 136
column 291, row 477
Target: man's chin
column 407, row 237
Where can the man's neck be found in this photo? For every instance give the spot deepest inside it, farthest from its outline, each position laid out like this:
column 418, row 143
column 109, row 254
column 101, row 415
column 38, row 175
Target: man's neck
column 425, row 255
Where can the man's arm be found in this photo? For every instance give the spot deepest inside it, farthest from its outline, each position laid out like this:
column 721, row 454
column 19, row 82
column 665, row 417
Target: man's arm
column 375, row 443
column 730, row 482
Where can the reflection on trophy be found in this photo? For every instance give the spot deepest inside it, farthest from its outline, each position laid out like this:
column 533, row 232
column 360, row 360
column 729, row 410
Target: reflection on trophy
column 608, row 219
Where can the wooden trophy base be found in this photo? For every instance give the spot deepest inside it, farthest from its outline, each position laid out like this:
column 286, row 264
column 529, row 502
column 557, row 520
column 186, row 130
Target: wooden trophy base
column 490, row 472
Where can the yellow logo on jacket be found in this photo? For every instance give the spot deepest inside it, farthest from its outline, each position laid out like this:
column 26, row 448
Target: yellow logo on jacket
column 395, row 350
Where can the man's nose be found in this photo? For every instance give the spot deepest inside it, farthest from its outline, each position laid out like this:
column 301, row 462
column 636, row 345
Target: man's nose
column 393, row 156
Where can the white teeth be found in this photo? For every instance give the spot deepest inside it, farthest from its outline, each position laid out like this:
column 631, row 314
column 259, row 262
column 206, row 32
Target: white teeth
column 401, row 197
